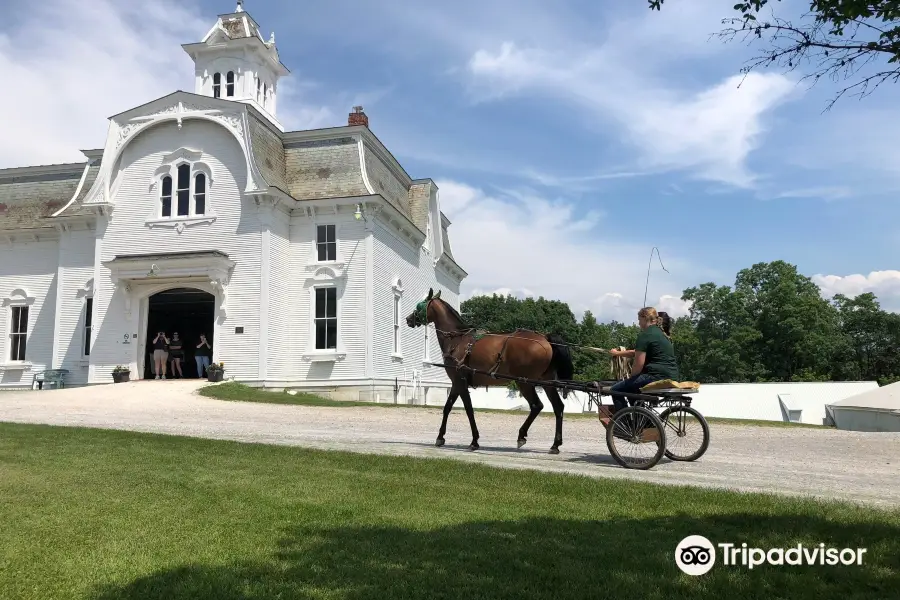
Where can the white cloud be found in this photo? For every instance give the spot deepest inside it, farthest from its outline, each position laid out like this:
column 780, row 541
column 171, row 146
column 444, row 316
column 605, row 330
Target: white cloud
column 826, row 193
column 884, row 284
column 70, row 65
column 710, row 132
column 526, row 245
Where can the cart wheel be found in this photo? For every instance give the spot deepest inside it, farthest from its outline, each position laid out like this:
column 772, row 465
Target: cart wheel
column 635, row 429
column 682, row 424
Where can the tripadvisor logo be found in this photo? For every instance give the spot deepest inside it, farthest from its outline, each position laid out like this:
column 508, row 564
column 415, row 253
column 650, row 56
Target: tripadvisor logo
column 696, row 555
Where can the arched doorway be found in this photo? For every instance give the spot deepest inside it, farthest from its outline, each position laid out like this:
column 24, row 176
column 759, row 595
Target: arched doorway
column 187, row 311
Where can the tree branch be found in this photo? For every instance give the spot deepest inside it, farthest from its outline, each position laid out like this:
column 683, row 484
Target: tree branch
column 839, row 38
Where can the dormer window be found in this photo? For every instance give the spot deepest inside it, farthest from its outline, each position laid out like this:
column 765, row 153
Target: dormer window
column 229, row 84
column 217, row 85
column 184, row 181
column 199, row 194
column 183, row 193
column 184, row 190
column 165, row 209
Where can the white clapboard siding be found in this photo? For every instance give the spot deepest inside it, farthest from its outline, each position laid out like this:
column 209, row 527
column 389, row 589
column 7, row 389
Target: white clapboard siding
column 235, row 232
column 31, row 267
column 282, row 304
column 350, row 236
column 76, row 269
column 395, row 258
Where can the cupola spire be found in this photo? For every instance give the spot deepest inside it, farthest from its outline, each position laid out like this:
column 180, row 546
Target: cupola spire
column 234, row 62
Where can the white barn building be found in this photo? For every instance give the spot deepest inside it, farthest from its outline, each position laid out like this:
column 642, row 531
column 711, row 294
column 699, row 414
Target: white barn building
column 298, row 253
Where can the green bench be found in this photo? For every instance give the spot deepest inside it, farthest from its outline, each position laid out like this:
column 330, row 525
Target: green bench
column 51, row 377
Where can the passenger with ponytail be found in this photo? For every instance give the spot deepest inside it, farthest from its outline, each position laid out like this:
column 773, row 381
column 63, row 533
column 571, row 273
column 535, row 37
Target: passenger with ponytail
column 654, row 355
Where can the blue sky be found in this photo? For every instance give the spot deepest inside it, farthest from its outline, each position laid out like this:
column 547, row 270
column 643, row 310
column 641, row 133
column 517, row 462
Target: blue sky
column 585, row 134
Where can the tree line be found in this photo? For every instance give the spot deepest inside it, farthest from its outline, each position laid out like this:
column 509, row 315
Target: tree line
column 772, row 325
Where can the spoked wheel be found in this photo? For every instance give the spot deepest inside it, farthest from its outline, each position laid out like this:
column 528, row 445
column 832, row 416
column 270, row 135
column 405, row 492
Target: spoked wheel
column 636, row 431
column 687, row 433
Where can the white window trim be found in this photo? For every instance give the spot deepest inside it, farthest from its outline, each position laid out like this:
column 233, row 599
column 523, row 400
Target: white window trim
column 337, row 247
column 314, row 354
column 213, row 89
column 169, row 167
column 17, row 298
column 397, row 320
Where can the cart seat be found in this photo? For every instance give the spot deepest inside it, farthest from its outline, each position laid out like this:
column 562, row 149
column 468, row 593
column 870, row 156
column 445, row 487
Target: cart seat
column 670, row 385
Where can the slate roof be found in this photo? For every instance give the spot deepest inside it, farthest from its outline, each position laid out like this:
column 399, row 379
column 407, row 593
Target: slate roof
column 28, row 196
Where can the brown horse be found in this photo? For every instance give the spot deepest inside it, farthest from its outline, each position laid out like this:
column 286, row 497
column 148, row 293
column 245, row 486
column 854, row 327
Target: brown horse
column 520, row 354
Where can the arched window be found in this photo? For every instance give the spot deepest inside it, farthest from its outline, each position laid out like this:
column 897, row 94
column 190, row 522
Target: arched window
column 184, row 190
column 184, row 182
column 258, row 89
column 265, row 96
column 199, row 194
column 166, row 197
column 217, row 85
column 229, row 84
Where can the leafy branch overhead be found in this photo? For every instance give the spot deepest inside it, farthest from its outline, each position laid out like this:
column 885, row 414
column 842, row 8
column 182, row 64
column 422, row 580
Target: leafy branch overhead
column 851, row 40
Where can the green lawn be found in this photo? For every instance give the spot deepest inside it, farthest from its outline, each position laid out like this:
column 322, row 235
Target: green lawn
column 243, row 393
column 106, row 514
column 238, row 392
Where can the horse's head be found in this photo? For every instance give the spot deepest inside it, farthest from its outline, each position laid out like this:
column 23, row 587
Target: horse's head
column 420, row 315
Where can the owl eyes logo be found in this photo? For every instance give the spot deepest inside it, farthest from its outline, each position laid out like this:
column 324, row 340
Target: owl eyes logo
column 695, row 555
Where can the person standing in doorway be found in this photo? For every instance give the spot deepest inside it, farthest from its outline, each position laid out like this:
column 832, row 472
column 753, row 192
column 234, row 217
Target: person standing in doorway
column 160, row 353
column 202, row 355
column 176, row 354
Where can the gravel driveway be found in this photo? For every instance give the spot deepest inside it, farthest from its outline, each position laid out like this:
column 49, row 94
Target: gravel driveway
column 861, row 467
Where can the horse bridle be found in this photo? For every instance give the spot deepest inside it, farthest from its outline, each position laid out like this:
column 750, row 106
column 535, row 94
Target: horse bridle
column 421, row 314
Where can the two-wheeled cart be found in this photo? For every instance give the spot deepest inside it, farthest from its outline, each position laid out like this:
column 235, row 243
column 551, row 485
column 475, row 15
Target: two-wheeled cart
column 657, row 423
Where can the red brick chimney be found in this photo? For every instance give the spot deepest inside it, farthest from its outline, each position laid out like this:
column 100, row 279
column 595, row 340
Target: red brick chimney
column 358, row 117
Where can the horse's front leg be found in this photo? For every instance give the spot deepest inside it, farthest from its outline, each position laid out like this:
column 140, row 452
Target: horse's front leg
column 448, row 407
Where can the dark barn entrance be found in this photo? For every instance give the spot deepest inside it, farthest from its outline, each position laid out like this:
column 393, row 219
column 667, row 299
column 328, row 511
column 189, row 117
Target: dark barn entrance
column 187, row 311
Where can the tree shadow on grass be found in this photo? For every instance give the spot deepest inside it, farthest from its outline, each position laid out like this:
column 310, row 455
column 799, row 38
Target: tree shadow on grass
column 539, row 558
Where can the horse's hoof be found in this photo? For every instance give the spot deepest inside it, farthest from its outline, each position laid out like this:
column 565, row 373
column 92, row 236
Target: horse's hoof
column 439, row 442
column 554, row 450
column 474, row 446
column 521, row 442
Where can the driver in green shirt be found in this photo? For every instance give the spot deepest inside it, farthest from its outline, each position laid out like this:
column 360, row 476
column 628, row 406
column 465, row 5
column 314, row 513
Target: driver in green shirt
column 654, row 356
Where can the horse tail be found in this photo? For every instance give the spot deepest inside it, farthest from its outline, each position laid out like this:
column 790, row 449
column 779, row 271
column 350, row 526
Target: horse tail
column 561, row 360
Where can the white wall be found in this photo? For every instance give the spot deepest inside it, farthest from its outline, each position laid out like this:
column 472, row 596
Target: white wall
column 501, row 398
column 770, row 401
column 282, row 346
column 758, row 401
column 76, row 272
column 351, row 251
column 32, row 267
column 395, row 258
column 235, row 232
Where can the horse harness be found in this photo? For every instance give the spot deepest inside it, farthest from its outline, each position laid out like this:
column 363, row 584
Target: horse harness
column 464, row 362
